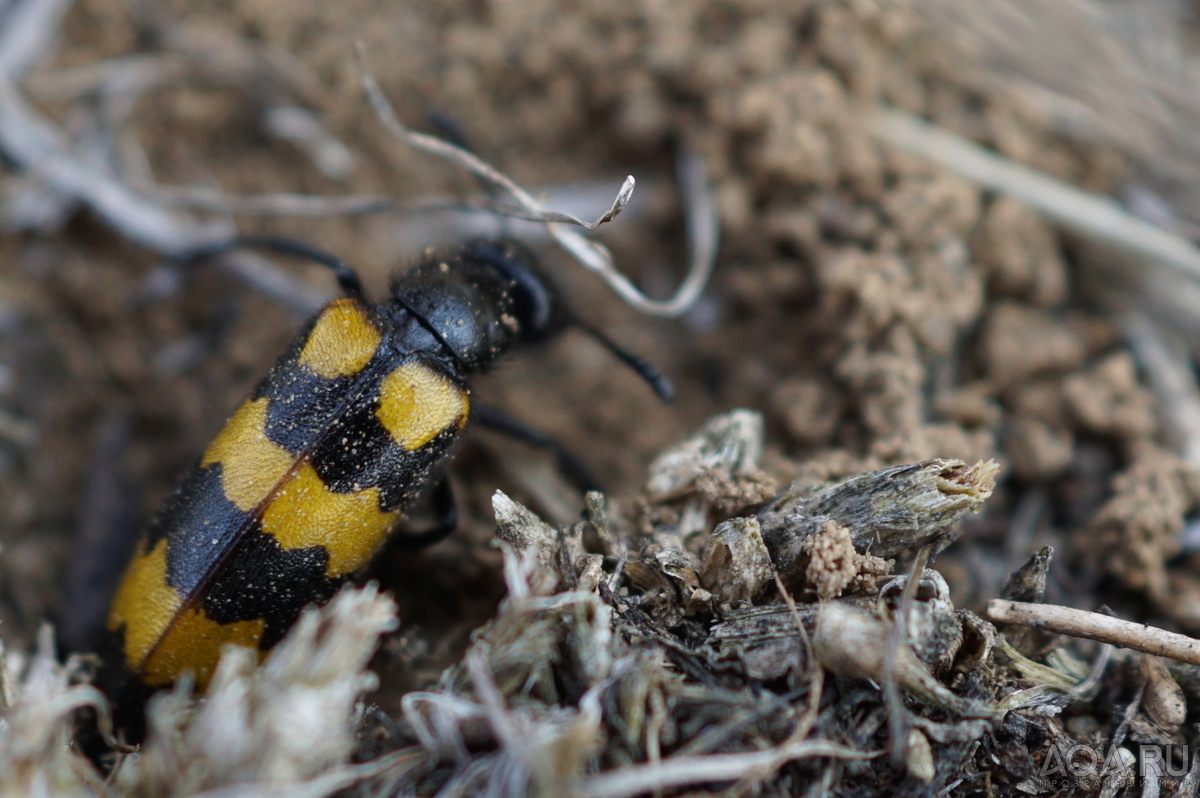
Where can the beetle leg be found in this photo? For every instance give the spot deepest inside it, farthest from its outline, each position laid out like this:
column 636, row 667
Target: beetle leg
column 571, row 466
column 445, row 511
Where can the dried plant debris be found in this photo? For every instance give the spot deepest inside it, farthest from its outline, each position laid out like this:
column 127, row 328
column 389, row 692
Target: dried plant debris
column 37, row 699
column 889, row 511
column 262, row 725
column 661, row 650
column 628, row 660
column 285, row 727
column 690, row 666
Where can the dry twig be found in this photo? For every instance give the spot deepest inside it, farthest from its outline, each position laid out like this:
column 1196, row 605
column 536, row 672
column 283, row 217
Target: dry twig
column 29, row 30
column 1095, row 217
column 684, row 770
column 702, row 222
column 1170, row 372
column 39, row 147
column 1094, row 626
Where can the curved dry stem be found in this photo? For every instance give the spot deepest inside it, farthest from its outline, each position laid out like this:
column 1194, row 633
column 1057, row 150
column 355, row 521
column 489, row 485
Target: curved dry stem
column 701, row 216
column 684, row 770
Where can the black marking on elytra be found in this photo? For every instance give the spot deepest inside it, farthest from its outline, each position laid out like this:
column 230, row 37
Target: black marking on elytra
column 352, row 449
column 398, row 474
column 199, row 523
column 302, row 404
column 260, row 579
column 357, row 452
column 402, row 482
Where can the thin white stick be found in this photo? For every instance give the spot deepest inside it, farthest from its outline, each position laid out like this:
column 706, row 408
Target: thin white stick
column 477, row 166
column 684, row 770
column 502, row 721
column 29, row 30
column 39, row 147
column 1095, row 217
column 1094, row 626
column 1170, row 372
column 593, row 255
column 213, row 200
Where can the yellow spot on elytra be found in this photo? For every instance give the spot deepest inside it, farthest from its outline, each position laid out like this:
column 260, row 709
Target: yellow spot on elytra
column 416, row 404
column 145, row 604
column 251, row 464
column 349, row 526
column 194, row 643
column 160, row 641
column 342, row 341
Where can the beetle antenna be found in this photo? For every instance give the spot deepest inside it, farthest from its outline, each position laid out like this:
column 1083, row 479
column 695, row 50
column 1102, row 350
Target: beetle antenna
column 347, row 278
column 658, row 382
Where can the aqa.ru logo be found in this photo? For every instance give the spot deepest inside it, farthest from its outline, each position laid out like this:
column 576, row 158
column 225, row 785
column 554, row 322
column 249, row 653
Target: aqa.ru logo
column 1088, row 762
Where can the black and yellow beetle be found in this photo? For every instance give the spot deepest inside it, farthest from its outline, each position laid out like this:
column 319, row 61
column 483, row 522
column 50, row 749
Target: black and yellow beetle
column 311, row 474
